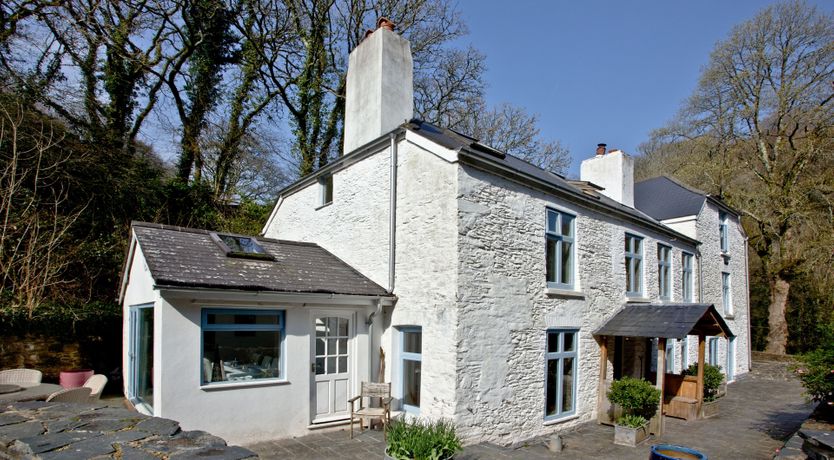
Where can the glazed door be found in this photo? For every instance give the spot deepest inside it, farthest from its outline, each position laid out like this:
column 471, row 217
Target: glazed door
column 331, row 364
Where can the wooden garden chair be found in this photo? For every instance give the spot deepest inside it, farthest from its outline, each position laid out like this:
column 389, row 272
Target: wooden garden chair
column 372, row 390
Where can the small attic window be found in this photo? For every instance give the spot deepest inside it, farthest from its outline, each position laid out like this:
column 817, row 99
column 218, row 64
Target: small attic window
column 326, row 189
column 240, row 246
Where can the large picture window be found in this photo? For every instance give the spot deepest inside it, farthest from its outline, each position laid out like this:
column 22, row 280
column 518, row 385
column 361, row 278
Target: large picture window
column 241, row 345
column 560, row 373
column 634, row 265
column 411, row 356
column 686, row 276
column 560, row 249
column 664, row 271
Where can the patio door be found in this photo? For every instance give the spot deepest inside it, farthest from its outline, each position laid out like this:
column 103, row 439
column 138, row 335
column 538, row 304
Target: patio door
column 331, row 364
column 140, row 357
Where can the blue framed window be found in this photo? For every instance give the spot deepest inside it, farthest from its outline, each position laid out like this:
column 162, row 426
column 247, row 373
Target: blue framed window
column 726, row 294
column 712, row 356
column 723, row 232
column 685, row 353
column 560, row 248
column 241, row 345
column 411, row 361
column 634, row 265
column 560, row 375
column 664, row 271
column 670, row 356
column 686, row 276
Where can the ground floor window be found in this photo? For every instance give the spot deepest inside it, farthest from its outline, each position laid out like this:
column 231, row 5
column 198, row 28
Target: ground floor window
column 712, row 357
column 411, row 359
column 670, row 356
column 731, row 359
column 560, row 373
column 241, row 345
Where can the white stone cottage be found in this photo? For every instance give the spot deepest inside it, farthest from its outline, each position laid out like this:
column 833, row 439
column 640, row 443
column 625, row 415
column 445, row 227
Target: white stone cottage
column 471, row 280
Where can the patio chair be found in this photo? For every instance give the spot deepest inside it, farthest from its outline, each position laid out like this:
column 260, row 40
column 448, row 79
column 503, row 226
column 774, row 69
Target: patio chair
column 71, row 395
column 22, row 377
column 372, row 390
column 96, row 385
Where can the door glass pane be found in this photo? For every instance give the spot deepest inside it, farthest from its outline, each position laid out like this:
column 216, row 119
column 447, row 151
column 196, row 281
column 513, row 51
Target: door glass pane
column 321, row 327
column 342, row 364
column 319, row 366
column 566, row 263
column 411, row 382
column 342, row 346
column 343, row 327
column 331, row 347
column 319, row 347
column 552, row 385
column 567, row 385
column 412, row 342
column 331, row 366
column 144, row 356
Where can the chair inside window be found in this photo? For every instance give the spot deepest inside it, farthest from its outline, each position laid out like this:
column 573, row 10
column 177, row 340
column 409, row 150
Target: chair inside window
column 371, row 391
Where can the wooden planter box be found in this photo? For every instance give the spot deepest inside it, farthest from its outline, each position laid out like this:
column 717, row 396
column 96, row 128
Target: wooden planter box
column 626, row 436
column 709, row 409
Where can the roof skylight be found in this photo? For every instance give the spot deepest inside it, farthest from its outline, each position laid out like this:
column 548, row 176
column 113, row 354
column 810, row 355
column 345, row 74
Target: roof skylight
column 240, row 246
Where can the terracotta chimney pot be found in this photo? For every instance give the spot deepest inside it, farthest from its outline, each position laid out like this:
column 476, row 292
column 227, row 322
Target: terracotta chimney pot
column 601, row 149
column 385, row 23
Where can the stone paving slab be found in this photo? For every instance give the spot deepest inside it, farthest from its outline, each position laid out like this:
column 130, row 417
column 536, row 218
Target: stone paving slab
column 760, row 411
column 62, row 430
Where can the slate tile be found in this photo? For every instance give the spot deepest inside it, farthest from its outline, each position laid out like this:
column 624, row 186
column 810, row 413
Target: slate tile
column 159, row 426
column 215, row 452
column 9, row 419
column 9, row 433
column 48, row 442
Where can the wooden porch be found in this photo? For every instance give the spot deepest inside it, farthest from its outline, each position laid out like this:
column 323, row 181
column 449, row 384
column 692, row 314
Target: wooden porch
column 625, row 339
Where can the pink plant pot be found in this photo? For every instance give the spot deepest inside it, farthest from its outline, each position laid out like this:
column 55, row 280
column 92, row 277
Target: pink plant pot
column 74, row 378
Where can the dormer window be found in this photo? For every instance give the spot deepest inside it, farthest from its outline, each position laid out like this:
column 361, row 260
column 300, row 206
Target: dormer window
column 240, row 246
column 326, row 189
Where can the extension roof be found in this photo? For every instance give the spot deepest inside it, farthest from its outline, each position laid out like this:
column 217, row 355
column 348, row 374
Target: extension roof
column 673, row 321
column 188, row 258
column 665, row 198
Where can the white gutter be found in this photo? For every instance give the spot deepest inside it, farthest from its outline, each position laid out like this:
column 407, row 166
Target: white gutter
column 392, row 214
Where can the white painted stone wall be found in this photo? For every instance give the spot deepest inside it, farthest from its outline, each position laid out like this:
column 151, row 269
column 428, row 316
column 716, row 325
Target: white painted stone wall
column 504, row 310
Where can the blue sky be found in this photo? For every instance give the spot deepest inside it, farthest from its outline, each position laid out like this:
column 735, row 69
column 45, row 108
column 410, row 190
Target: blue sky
column 600, row 71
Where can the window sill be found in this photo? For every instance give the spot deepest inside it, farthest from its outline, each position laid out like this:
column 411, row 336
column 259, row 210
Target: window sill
column 636, row 299
column 567, row 293
column 730, row 316
column 243, row 384
column 324, row 205
column 555, row 421
column 725, row 254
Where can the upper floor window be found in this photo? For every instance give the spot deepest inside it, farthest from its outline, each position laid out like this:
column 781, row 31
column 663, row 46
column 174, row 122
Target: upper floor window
column 326, row 189
column 559, row 236
column 241, row 345
column 634, row 264
column 726, row 294
column 664, row 271
column 560, row 373
column 686, row 276
column 723, row 232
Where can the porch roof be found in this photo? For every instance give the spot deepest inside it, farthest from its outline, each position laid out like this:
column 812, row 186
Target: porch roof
column 672, row 321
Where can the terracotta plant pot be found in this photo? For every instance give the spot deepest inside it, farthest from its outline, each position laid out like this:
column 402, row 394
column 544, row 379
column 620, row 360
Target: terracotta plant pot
column 74, row 378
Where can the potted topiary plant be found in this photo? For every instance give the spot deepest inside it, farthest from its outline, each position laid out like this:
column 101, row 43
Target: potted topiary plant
column 638, row 399
column 713, row 378
column 417, row 440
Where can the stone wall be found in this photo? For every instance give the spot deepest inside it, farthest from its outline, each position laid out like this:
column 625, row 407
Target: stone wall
column 505, row 307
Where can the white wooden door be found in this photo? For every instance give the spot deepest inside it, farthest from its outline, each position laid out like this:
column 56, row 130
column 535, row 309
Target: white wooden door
column 331, row 364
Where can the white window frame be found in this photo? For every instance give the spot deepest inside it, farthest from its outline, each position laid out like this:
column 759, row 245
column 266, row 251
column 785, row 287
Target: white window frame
column 727, row 293
column 687, row 277
column 555, row 235
column 723, row 232
column 634, row 264
column 409, row 356
column 560, row 356
column 664, row 271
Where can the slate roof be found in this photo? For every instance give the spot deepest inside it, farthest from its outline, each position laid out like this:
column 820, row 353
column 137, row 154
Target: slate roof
column 470, row 148
column 664, row 198
column 673, row 321
column 187, row 257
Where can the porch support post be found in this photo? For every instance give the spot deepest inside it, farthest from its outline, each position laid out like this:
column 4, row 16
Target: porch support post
column 661, row 379
column 701, row 345
column 603, row 375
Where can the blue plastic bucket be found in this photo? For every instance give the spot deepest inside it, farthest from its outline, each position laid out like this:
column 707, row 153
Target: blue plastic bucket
column 672, row 452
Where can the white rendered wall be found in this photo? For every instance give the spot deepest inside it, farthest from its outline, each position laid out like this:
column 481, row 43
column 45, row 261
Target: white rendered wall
column 354, row 227
column 504, row 308
column 242, row 414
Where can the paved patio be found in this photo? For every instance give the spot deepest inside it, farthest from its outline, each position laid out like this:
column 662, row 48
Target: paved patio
column 759, row 412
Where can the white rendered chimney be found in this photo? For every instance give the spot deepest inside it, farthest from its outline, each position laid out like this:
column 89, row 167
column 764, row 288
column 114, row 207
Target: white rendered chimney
column 380, row 89
column 614, row 171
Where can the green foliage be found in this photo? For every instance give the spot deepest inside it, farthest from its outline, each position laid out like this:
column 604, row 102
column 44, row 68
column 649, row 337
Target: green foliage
column 712, row 379
column 816, row 368
column 637, row 397
column 59, row 319
column 422, row 440
column 632, row 421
